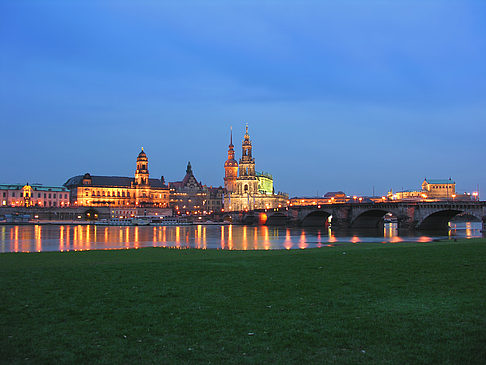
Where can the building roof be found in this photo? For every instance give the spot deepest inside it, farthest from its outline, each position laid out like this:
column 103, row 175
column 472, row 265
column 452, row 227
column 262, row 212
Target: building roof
column 331, row 194
column 264, row 174
column 108, row 181
column 439, row 181
column 36, row 187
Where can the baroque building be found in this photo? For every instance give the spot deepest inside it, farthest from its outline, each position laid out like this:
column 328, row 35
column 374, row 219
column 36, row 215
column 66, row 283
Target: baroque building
column 191, row 197
column 432, row 190
column 35, row 195
column 247, row 189
column 117, row 191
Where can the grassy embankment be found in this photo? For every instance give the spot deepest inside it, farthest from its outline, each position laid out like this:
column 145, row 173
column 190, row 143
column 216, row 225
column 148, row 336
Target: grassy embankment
column 367, row 303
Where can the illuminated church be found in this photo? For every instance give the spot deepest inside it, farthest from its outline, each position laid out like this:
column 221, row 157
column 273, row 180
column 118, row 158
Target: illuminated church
column 247, row 189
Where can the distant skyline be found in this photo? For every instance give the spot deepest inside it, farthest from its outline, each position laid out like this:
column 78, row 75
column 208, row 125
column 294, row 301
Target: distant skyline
column 346, row 95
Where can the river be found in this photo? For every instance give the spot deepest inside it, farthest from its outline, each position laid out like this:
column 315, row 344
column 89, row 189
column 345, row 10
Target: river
column 38, row 238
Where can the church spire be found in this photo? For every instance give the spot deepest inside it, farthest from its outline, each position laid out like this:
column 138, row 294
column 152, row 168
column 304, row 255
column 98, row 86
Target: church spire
column 231, row 137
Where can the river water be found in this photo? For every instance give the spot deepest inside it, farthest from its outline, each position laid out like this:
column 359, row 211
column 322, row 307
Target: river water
column 37, row 238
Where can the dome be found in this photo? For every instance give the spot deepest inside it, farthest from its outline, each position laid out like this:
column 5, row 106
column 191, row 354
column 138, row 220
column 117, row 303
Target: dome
column 231, row 163
column 142, row 155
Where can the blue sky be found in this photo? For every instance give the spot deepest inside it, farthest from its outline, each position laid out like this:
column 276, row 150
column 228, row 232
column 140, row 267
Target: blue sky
column 338, row 95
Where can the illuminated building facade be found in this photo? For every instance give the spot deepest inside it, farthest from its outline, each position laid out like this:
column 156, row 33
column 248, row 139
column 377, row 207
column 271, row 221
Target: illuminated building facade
column 439, row 188
column 35, row 195
column 117, row 191
column 245, row 189
column 431, row 190
column 190, row 196
column 187, row 196
column 265, row 183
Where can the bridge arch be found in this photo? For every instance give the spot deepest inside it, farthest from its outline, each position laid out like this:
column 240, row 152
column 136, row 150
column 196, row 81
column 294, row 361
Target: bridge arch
column 439, row 220
column 372, row 218
column 276, row 219
column 249, row 219
column 317, row 218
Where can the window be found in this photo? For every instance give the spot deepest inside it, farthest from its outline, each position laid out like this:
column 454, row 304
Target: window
column 4, row 194
column 38, row 195
column 65, row 196
column 54, row 196
column 21, row 195
column 49, row 196
column 13, row 194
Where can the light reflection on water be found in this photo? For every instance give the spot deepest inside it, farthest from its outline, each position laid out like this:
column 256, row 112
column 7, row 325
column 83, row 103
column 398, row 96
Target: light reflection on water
column 38, row 238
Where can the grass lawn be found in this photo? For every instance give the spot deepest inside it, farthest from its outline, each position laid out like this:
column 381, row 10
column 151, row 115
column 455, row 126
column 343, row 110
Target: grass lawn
column 354, row 303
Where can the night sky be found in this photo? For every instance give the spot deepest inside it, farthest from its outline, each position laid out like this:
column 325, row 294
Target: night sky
column 338, row 95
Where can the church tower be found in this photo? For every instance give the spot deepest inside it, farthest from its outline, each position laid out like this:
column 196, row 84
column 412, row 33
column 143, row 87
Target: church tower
column 230, row 168
column 142, row 173
column 247, row 181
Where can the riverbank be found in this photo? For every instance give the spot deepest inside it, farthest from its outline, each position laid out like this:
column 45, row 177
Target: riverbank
column 371, row 303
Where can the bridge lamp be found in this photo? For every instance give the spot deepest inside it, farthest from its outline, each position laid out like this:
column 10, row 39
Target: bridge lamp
column 475, row 195
column 360, row 199
column 453, row 196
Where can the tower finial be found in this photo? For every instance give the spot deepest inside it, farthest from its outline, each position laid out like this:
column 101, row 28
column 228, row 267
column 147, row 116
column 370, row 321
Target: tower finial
column 231, row 136
column 142, row 148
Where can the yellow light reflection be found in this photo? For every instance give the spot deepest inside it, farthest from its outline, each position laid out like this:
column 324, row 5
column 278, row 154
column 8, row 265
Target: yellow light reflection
column 266, row 238
column 288, row 240
column 16, row 239
column 222, row 237
column 198, row 234
column 255, row 238
column 245, row 239
column 68, row 237
column 302, row 242
column 355, row 239
column 38, row 238
column 332, row 237
column 230, row 237
column 61, row 239
column 136, row 241
column 205, row 243
column 178, row 236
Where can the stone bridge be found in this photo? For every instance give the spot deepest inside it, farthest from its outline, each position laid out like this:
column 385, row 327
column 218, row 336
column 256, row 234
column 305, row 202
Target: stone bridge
column 410, row 215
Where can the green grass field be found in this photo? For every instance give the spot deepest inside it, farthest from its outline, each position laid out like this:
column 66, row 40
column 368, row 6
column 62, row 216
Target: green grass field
column 367, row 303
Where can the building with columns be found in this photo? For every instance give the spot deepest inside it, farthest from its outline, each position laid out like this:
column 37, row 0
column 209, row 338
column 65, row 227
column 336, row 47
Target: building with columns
column 244, row 186
column 117, row 191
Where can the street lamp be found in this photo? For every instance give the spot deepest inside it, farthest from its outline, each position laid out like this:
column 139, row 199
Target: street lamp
column 475, row 195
